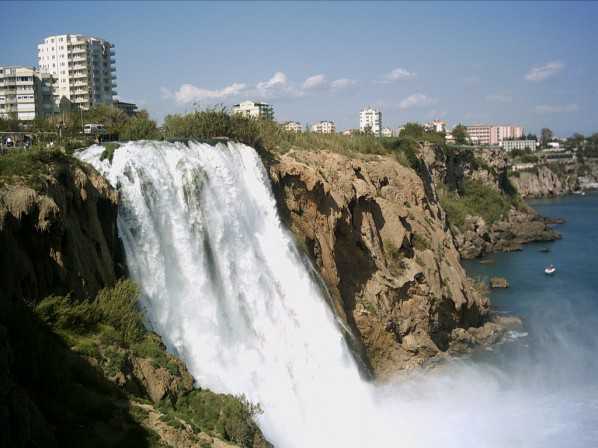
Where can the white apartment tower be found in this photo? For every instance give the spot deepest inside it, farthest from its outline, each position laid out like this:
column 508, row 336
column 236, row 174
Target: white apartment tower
column 25, row 93
column 84, row 67
column 370, row 119
column 254, row 109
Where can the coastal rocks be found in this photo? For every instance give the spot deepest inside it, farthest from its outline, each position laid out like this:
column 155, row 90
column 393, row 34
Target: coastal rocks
column 520, row 226
column 378, row 237
column 58, row 235
column 541, row 181
column 499, row 282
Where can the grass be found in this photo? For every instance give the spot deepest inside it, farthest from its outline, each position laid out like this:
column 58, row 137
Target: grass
column 33, row 166
column 266, row 135
column 227, row 416
column 420, row 242
column 110, row 329
column 477, row 199
column 109, row 149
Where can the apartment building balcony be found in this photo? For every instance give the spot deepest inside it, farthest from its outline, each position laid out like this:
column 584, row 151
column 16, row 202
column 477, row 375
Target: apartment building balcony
column 78, row 75
column 78, row 59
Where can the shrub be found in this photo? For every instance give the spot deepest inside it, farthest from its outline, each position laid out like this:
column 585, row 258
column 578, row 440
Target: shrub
column 140, row 127
column 477, row 199
column 109, row 149
column 420, row 242
column 228, row 416
column 115, row 307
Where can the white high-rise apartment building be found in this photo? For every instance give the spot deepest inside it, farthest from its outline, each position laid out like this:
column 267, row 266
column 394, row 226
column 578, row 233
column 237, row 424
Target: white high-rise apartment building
column 254, row 109
column 84, row 67
column 370, row 119
column 25, row 93
column 324, row 127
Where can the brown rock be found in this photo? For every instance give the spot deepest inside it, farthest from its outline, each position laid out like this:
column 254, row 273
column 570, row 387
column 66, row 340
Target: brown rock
column 378, row 237
column 499, row 282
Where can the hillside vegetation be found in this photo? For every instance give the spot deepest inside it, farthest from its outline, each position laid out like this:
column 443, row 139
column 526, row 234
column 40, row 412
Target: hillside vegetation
column 90, row 371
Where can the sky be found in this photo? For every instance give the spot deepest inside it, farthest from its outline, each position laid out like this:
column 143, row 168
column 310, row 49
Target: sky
column 531, row 64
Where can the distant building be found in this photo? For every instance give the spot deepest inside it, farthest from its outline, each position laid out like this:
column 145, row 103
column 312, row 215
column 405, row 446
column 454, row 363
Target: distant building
column 324, row 127
column 436, row 126
column 556, row 146
column 25, row 93
column 254, row 109
column 386, row 132
column 484, row 134
column 128, row 108
column 510, row 145
column 348, row 132
column 84, row 67
column 370, row 119
column 293, row 126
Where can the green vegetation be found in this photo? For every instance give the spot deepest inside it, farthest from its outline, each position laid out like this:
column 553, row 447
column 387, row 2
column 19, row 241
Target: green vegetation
column 110, row 330
column 459, row 133
column 33, row 166
column 108, row 152
column 228, row 417
column 477, row 199
column 420, row 242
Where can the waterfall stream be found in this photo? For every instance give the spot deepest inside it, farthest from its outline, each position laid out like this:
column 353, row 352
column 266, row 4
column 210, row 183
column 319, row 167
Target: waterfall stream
column 224, row 285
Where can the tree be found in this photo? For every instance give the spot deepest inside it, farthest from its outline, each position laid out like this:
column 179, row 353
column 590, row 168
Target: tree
column 413, row 130
column 139, row 127
column 545, row 136
column 531, row 137
column 460, row 134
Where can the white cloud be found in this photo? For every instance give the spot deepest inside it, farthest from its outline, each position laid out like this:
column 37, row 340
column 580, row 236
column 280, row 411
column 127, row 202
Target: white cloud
column 315, row 82
column 416, row 100
column 499, row 98
column 399, row 74
column 342, row 83
column 556, row 109
column 278, row 86
column 188, row 93
column 544, row 71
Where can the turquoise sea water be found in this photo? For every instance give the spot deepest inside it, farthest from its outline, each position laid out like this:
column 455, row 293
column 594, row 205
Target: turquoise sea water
column 553, row 359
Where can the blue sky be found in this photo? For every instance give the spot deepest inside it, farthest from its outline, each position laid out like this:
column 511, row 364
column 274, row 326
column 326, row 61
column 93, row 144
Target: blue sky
column 533, row 64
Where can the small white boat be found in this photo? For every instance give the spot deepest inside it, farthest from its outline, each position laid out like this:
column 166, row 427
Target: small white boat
column 550, row 270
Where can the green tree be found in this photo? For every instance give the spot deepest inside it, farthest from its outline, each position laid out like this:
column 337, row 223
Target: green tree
column 413, row 130
column 139, row 127
column 545, row 136
column 460, row 134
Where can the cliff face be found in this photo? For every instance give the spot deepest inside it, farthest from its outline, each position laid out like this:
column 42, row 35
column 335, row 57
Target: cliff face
column 555, row 179
column 377, row 235
column 58, row 234
column 476, row 237
column 541, row 182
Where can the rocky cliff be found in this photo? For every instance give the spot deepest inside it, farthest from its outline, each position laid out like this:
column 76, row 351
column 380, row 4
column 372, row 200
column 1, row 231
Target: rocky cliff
column 555, row 179
column 488, row 213
column 79, row 368
column 57, row 229
column 380, row 240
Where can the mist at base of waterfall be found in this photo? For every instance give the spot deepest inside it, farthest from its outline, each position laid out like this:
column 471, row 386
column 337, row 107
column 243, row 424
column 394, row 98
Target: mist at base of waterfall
column 224, row 285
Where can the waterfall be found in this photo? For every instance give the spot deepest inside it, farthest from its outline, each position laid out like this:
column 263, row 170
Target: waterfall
column 224, row 285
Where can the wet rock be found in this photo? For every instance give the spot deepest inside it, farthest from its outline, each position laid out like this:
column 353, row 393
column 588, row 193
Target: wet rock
column 499, row 282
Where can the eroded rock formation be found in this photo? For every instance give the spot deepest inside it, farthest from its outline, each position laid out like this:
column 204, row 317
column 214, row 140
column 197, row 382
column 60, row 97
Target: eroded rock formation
column 58, row 236
column 380, row 240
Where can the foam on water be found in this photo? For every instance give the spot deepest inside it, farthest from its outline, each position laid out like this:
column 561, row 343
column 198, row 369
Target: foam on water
column 224, row 285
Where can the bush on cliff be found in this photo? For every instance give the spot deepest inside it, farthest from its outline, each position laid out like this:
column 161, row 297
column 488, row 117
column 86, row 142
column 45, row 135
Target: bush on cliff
column 33, row 166
column 477, row 199
column 110, row 330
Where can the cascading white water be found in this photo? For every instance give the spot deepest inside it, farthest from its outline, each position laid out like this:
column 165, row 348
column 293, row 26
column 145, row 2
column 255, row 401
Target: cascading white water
column 225, row 287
